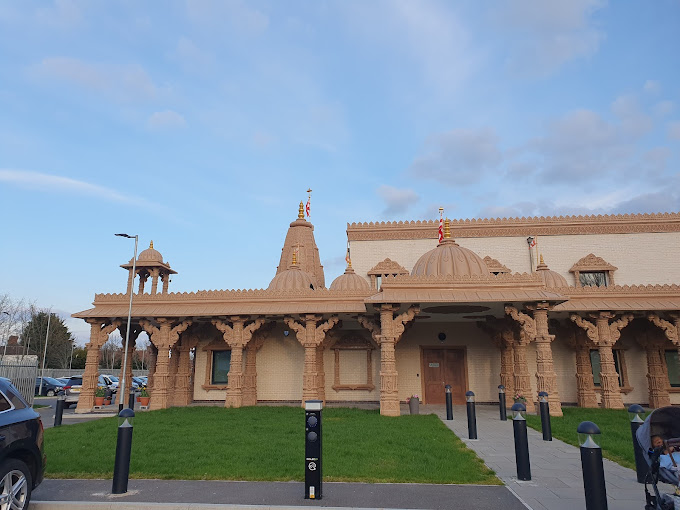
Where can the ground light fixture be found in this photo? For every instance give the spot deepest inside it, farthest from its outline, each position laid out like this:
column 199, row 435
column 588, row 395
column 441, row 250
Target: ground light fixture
column 637, row 417
column 591, row 463
column 127, row 332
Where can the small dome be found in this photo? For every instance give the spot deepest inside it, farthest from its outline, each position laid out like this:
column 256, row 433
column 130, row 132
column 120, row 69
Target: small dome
column 150, row 255
column 292, row 278
column 450, row 259
column 551, row 279
column 349, row 281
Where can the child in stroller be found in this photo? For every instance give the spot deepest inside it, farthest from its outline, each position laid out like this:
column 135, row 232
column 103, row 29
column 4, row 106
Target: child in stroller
column 659, row 436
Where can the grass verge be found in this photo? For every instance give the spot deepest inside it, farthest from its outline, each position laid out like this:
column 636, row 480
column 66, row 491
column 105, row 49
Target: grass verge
column 616, row 440
column 267, row 443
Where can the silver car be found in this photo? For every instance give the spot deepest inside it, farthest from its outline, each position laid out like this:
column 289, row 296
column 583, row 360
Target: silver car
column 72, row 390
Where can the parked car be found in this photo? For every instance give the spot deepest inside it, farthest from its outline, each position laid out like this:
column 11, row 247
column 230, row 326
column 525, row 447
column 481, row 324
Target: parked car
column 72, row 390
column 63, row 380
column 22, row 457
column 50, row 386
column 107, row 382
column 138, row 383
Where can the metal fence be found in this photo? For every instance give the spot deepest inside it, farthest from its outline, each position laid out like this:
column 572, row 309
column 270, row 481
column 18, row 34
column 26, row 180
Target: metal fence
column 65, row 372
column 22, row 371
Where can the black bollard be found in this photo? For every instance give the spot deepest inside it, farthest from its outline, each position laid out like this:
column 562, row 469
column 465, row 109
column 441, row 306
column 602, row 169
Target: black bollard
column 636, row 414
column 59, row 410
column 121, row 466
column 545, row 415
column 131, row 400
column 519, row 428
column 501, row 402
column 471, row 415
column 313, row 455
column 591, row 464
column 449, row 403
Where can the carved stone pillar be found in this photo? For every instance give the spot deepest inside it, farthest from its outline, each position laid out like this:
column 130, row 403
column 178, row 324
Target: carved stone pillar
column 250, row 374
column 165, row 277
column 99, row 334
column 143, row 276
column 386, row 335
column 546, row 379
column 163, row 337
column 527, row 334
column 507, row 347
column 173, row 368
column 131, row 280
column 237, row 337
column 151, row 364
column 585, row 385
column 657, row 378
column 310, row 336
column 609, row 378
column 154, row 280
column 183, row 378
column 320, row 373
column 672, row 332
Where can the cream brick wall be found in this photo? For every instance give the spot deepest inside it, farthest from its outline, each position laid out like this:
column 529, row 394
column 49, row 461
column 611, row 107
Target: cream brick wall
column 640, row 258
column 352, row 371
column 280, row 363
column 200, row 371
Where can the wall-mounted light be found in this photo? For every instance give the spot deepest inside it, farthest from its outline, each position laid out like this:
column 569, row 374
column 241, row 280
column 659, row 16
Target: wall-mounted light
column 286, row 332
column 441, row 336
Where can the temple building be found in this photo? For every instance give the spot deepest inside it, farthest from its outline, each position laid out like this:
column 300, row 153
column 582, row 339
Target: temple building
column 586, row 308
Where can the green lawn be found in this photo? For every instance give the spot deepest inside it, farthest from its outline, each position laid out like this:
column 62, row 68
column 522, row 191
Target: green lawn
column 267, row 443
column 616, row 440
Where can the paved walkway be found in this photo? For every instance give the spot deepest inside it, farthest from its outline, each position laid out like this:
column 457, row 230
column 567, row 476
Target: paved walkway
column 557, row 479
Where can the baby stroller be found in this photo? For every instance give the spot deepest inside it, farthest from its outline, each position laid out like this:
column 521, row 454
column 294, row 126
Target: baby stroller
column 664, row 422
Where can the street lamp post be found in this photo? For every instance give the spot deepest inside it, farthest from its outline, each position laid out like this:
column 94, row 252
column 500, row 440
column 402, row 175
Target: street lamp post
column 121, row 388
column 47, row 336
column 7, row 335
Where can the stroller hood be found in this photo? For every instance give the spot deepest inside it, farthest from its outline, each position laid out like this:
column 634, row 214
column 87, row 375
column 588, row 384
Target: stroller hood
column 664, row 422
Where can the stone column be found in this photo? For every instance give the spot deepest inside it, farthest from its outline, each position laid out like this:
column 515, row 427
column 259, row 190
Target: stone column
column 250, row 374
column 237, row 337
column 522, row 375
column 507, row 341
column 321, row 374
column 163, row 337
column 165, row 277
column 131, row 280
column 173, row 368
column 151, row 364
column 609, row 378
column 657, row 378
column 182, row 380
column 546, row 379
column 585, row 385
column 143, row 276
column 310, row 336
column 670, row 329
column 99, row 334
column 154, row 280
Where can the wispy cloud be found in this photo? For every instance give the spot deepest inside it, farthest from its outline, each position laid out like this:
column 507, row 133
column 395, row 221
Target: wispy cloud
column 397, row 200
column 166, row 120
column 46, row 183
column 123, row 83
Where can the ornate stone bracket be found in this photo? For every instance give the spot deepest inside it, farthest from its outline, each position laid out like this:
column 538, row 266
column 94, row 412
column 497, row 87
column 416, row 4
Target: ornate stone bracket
column 669, row 329
column 526, row 322
column 587, row 326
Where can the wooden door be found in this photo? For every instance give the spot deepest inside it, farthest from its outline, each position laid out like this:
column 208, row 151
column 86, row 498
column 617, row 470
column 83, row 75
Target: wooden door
column 442, row 367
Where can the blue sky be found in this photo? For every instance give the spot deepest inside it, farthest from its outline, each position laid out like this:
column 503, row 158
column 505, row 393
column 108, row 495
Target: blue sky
column 201, row 124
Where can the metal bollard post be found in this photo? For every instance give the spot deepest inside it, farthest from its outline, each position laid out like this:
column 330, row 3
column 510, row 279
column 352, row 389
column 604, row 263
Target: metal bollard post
column 121, row 466
column 449, row 403
column 59, row 410
column 545, row 415
column 636, row 414
column 313, row 455
column 471, row 415
column 131, row 400
column 591, row 464
column 519, row 428
column 501, row 402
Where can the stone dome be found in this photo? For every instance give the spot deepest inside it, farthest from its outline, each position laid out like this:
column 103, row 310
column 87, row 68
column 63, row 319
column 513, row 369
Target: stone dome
column 150, row 255
column 292, row 278
column 349, row 281
column 450, row 259
column 551, row 279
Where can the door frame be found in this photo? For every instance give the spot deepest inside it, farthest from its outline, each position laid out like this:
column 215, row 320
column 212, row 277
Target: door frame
column 441, row 348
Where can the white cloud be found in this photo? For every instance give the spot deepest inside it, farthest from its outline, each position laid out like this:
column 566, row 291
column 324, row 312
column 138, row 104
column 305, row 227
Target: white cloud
column 634, row 121
column 674, row 130
column 397, row 200
column 36, row 181
column 240, row 16
column 458, row 157
column 126, row 83
column 652, row 86
column 167, row 119
column 547, row 34
column 664, row 108
column 191, row 57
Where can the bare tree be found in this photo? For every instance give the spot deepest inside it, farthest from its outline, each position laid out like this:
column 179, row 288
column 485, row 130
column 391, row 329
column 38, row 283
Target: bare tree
column 111, row 351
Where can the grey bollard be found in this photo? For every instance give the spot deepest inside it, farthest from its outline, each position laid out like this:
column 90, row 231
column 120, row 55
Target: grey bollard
column 545, row 415
column 471, row 415
column 636, row 414
column 591, row 465
column 502, row 405
column 121, row 466
column 59, row 410
column 449, row 403
column 519, row 428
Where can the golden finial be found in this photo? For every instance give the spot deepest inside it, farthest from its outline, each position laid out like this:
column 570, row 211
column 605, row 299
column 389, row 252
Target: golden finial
column 151, row 245
column 349, row 263
column 447, row 228
column 294, row 258
column 542, row 259
column 301, row 212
